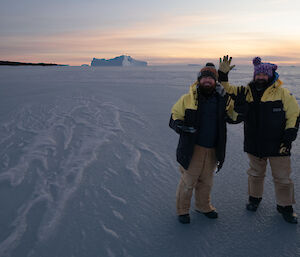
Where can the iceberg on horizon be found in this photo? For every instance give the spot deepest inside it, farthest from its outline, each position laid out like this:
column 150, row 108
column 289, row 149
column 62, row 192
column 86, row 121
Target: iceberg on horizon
column 122, row 60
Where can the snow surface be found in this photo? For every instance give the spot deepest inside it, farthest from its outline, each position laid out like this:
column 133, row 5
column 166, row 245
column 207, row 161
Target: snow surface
column 88, row 169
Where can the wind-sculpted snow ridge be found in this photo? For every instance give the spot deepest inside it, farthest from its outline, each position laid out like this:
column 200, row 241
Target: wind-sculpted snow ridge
column 57, row 145
column 60, row 145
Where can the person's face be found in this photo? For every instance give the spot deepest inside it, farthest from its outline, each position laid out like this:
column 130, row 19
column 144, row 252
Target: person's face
column 207, row 82
column 261, row 76
column 261, row 81
column 207, row 86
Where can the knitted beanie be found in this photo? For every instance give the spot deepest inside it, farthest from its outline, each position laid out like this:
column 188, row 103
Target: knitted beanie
column 209, row 70
column 263, row 67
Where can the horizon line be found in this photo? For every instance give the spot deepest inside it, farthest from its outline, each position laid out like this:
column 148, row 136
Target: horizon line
column 164, row 61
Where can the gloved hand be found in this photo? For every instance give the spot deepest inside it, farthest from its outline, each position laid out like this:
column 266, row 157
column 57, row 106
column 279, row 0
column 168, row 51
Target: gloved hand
column 285, row 148
column 289, row 136
column 224, row 68
column 219, row 166
column 240, row 102
column 187, row 129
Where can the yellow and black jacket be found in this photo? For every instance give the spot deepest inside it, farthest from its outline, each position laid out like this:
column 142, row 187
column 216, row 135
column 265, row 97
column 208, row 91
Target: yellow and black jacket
column 270, row 119
column 184, row 112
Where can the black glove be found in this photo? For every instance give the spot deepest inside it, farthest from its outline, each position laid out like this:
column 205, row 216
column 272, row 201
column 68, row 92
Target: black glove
column 289, row 136
column 285, row 148
column 240, row 102
column 186, row 125
column 219, row 166
column 186, row 129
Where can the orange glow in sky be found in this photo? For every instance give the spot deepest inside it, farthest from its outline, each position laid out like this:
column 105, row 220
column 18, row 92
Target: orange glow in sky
column 165, row 34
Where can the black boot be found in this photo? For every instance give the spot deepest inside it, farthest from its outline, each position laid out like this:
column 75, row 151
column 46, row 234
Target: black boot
column 211, row 215
column 184, row 219
column 288, row 213
column 253, row 203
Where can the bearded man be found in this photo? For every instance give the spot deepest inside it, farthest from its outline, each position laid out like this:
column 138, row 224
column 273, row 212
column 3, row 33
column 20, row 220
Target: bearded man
column 271, row 121
column 200, row 118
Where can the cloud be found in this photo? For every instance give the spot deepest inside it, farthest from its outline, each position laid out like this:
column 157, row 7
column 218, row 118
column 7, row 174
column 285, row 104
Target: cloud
column 173, row 38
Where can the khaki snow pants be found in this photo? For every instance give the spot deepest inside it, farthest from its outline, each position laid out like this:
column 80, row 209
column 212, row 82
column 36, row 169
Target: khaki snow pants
column 281, row 170
column 199, row 176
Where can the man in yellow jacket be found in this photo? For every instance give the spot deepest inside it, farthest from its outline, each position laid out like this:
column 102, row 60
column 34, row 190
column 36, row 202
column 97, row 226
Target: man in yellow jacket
column 271, row 120
column 199, row 117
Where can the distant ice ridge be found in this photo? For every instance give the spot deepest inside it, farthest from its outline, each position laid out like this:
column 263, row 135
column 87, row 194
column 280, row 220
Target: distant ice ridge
column 122, row 60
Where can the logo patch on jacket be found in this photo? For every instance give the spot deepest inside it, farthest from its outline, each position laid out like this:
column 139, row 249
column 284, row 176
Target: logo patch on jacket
column 277, row 109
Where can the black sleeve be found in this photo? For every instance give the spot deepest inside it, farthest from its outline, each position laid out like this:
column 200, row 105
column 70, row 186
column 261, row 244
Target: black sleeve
column 173, row 124
column 222, row 77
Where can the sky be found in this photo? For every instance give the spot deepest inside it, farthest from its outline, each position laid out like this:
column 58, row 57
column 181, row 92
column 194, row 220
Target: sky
column 157, row 31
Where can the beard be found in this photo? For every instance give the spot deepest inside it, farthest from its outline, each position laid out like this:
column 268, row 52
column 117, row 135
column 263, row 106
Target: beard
column 260, row 84
column 206, row 89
